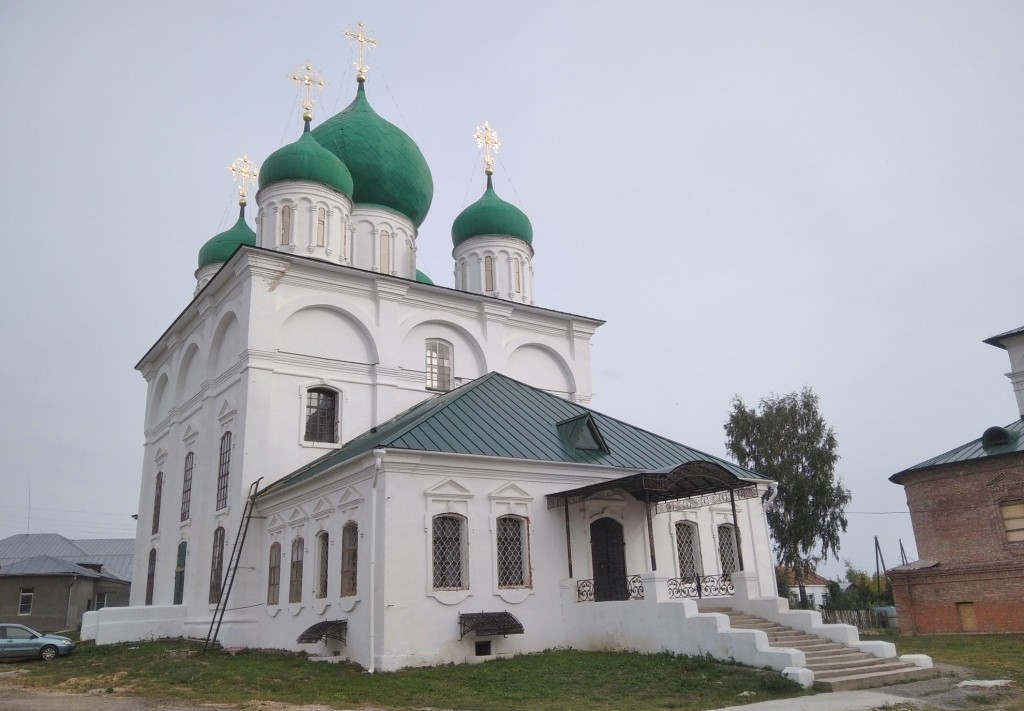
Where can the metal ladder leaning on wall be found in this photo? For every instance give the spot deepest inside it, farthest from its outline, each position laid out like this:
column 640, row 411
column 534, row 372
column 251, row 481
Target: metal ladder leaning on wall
column 236, row 557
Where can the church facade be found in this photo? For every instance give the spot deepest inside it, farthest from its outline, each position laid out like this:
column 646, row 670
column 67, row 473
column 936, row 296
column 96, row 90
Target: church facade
column 343, row 458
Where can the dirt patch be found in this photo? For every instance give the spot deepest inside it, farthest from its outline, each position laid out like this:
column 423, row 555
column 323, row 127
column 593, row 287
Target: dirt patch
column 942, row 692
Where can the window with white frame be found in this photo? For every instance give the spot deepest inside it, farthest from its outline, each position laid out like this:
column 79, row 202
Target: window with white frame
column 186, row 486
column 321, row 227
column 179, row 575
column 727, row 549
column 150, row 576
column 101, row 600
column 25, row 601
column 274, row 575
column 321, row 415
column 449, row 552
column 687, row 550
column 513, row 552
column 157, row 495
column 323, row 552
column 439, row 365
column 1013, row 520
column 295, row 571
column 217, row 566
column 286, row 225
column 223, row 471
column 349, row 558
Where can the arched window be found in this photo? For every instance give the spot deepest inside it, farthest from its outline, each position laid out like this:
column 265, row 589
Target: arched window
column 687, row 550
column 323, row 552
column 186, row 486
column 321, row 227
column 449, row 553
column 295, row 572
column 488, row 273
column 513, row 554
column 286, row 225
column 727, row 546
column 274, row 575
column 439, row 365
column 349, row 558
column 217, row 566
column 223, row 471
column 321, row 415
column 517, row 274
column 385, row 252
column 179, row 573
column 157, row 494
column 150, row 576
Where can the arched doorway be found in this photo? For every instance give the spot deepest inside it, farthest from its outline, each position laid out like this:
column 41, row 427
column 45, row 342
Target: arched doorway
column 608, row 554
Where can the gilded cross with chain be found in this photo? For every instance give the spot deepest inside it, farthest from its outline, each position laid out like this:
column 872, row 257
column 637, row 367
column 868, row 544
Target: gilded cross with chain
column 244, row 172
column 310, row 80
column 487, row 140
column 362, row 38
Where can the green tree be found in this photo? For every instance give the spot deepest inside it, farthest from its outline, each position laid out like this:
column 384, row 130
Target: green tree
column 786, row 439
column 874, row 590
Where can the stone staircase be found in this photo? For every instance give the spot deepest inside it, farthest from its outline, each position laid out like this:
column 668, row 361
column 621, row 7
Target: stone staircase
column 836, row 667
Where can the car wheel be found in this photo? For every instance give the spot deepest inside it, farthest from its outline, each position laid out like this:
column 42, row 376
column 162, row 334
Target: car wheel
column 48, row 653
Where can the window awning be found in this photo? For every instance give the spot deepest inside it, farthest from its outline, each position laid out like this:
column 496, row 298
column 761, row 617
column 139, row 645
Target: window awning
column 335, row 629
column 489, row 624
column 687, row 480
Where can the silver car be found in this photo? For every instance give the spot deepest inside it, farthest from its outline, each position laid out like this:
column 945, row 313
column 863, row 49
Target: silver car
column 20, row 641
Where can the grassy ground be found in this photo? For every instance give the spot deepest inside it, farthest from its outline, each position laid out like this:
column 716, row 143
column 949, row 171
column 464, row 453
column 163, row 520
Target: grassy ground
column 596, row 681
column 992, row 656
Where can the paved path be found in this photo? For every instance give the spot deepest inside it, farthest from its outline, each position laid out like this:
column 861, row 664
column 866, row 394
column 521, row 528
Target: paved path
column 835, row 701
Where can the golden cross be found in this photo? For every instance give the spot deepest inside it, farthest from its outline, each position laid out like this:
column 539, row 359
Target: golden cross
column 487, row 140
column 311, row 81
column 244, row 172
column 362, row 37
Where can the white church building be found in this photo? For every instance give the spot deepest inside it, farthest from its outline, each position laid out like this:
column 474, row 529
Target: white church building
column 344, row 458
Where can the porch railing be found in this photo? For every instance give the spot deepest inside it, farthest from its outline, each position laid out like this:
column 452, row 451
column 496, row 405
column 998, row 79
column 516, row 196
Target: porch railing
column 701, row 586
column 634, row 589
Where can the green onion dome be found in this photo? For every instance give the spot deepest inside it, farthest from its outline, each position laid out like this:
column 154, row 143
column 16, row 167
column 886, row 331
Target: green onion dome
column 222, row 246
column 387, row 167
column 490, row 215
column 306, row 160
column 423, row 278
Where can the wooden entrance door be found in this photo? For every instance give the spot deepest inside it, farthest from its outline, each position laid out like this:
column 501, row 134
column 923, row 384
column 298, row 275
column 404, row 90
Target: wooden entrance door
column 608, row 553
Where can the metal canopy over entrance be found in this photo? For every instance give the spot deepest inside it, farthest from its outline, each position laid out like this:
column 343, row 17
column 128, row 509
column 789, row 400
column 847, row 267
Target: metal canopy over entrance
column 698, row 483
column 335, row 629
column 489, row 624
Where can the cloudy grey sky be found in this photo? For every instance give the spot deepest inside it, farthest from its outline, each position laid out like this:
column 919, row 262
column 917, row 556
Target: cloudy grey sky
column 756, row 196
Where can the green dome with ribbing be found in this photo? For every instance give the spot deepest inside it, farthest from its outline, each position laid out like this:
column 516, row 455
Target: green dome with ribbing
column 423, row 278
column 490, row 215
column 387, row 166
column 306, row 160
column 220, row 247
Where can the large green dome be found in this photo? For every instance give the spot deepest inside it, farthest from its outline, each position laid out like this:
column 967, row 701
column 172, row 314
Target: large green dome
column 306, row 160
column 222, row 246
column 490, row 215
column 387, row 167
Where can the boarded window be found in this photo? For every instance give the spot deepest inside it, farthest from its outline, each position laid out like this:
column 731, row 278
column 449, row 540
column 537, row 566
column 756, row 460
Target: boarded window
column 321, row 227
column 295, row 571
column 488, row 273
column 323, row 544
column 349, row 558
column 286, row 225
column 1013, row 520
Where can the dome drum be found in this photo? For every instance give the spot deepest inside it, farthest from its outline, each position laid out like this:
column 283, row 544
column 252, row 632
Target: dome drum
column 305, row 218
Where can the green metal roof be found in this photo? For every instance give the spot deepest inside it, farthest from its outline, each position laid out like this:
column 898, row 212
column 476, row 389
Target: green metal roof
column 490, row 215
column 220, row 247
column 423, row 278
column 306, row 160
column 996, row 441
column 496, row 416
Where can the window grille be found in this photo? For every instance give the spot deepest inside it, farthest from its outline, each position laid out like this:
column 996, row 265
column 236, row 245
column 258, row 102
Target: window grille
column 513, row 552
column 25, row 601
column 157, row 494
column 150, row 576
column 449, row 553
column 323, row 551
column 179, row 575
column 727, row 549
column 295, row 572
column 349, row 558
column 274, row 575
column 223, row 468
column 186, row 486
column 321, row 415
column 439, row 365
column 321, row 227
column 1013, row 520
column 286, row 224
column 217, row 565
column 488, row 273
column 687, row 551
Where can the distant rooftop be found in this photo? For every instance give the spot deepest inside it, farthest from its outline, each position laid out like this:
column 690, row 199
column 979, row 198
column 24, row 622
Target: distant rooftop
column 115, row 555
column 994, row 442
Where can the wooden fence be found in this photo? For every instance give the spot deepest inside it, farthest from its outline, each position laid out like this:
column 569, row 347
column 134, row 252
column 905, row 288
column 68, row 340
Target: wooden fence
column 862, row 619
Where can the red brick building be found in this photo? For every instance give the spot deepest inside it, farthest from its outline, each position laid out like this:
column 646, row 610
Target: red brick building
column 967, row 509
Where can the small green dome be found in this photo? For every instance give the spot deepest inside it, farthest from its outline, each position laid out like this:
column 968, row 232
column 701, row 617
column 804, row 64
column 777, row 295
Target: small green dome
column 387, row 167
column 306, row 160
column 222, row 246
column 423, row 278
column 490, row 215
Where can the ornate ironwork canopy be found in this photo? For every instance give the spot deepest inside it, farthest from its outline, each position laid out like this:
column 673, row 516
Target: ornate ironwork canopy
column 685, row 481
column 489, row 624
column 335, row 629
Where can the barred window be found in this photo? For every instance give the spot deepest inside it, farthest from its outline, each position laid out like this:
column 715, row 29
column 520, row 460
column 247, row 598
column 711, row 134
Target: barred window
column 274, row 575
column 449, row 549
column 186, row 486
column 157, row 494
column 488, row 273
column 179, row 575
column 295, row 572
column 513, row 554
column 323, row 541
column 286, row 224
column 687, row 550
column 439, row 365
column 727, row 549
column 223, row 469
column 349, row 558
column 217, row 566
column 321, row 415
column 25, row 601
column 1013, row 520
column 321, row 227
column 150, row 576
